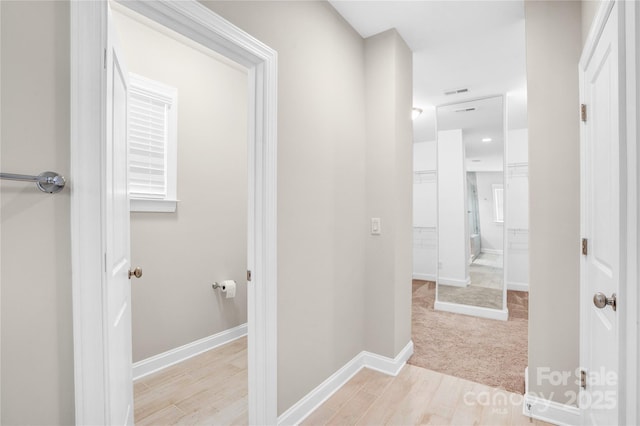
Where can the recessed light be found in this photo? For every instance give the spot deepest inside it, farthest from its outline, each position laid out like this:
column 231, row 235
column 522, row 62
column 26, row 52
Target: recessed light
column 486, row 139
column 475, row 161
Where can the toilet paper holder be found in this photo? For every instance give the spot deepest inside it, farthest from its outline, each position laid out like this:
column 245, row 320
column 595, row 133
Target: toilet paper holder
column 217, row 285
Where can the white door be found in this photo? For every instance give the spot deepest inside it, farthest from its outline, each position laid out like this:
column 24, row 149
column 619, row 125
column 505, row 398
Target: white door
column 119, row 392
column 601, row 210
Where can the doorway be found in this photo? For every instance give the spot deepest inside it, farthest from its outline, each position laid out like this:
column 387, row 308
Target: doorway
column 98, row 379
column 187, row 146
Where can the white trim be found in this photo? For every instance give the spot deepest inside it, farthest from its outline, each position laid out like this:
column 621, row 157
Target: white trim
column 311, row 401
column 505, row 215
column 550, row 411
column 424, row 277
column 454, row 281
column 514, row 286
column 153, row 206
column 87, row 33
column 492, row 251
column 631, row 360
column 477, row 311
column 386, row 365
column 182, row 353
column 88, row 40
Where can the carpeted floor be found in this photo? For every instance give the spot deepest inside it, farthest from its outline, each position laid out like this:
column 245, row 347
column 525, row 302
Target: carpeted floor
column 485, row 351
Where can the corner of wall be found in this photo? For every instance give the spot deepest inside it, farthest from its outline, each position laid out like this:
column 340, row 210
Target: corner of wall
column 389, row 157
column 553, row 43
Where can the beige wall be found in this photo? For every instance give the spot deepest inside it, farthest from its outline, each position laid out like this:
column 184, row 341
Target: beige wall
column 321, row 202
column 589, row 9
column 205, row 240
column 553, row 43
column 36, row 371
column 323, row 221
column 322, row 215
column 388, row 83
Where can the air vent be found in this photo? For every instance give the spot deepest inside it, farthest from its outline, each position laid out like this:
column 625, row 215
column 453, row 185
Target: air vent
column 466, row 109
column 456, row 91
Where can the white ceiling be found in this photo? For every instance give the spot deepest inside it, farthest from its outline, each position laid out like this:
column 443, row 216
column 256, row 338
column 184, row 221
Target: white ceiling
column 485, row 121
column 475, row 44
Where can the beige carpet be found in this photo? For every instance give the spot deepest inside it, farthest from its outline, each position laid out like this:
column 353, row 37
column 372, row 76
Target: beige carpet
column 485, row 351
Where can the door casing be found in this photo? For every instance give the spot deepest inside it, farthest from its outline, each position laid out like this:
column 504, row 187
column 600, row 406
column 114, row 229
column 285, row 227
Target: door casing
column 88, row 35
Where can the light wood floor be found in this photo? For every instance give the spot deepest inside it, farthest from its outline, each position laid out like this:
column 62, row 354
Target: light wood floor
column 211, row 389
column 418, row 396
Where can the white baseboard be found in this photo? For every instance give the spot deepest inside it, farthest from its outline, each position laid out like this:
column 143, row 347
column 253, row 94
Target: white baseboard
column 424, row 277
column 179, row 354
column 454, row 281
column 512, row 285
column 491, row 251
column 383, row 364
column 477, row 311
column 310, row 402
column 550, row 411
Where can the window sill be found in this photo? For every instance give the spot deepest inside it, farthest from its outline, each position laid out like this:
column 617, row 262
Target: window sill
column 152, row 206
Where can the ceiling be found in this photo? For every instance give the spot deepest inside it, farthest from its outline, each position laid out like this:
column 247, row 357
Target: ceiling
column 478, row 120
column 477, row 44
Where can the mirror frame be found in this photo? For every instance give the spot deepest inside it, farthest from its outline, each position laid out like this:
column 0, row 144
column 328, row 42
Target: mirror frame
column 478, row 311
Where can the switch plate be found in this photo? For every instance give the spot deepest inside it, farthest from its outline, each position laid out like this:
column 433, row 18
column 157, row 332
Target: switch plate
column 376, row 228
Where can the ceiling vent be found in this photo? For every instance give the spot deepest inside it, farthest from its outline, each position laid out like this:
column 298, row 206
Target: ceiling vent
column 456, row 91
column 466, row 109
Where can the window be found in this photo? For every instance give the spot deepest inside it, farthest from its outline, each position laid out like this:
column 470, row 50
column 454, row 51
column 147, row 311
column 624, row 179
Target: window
column 153, row 114
column 498, row 203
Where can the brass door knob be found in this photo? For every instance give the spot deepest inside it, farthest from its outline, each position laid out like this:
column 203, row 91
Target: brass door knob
column 136, row 272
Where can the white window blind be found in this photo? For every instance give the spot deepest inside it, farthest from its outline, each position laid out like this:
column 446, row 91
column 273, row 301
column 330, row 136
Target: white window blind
column 152, row 121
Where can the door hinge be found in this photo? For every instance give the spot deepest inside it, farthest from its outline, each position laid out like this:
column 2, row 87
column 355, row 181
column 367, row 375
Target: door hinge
column 248, row 275
column 585, row 246
column 583, row 379
column 105, row 59
column 583, row 113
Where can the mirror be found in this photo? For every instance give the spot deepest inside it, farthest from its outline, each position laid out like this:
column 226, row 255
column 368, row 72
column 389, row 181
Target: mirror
column 471, row 214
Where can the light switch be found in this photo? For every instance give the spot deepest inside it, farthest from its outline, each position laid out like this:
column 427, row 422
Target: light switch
column 375, row 226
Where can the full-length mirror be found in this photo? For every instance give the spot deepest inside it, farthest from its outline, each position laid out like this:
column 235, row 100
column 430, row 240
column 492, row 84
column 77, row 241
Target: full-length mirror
column 471, row 200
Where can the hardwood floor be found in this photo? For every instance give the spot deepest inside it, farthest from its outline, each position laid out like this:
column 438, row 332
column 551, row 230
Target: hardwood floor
column 419, row 396
column 211, row 389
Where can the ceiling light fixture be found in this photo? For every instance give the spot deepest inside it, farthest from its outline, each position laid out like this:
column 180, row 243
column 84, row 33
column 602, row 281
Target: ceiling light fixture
column 415, row 113
column 486, row 139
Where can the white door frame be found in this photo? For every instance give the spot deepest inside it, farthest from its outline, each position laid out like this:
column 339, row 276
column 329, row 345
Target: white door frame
column 88, row 41
column 628, row 299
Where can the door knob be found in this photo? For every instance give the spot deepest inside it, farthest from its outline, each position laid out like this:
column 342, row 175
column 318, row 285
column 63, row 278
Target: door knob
column 136, row 272
column 600, row 300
